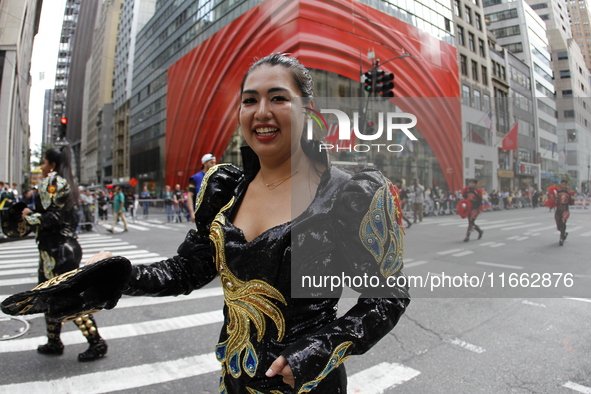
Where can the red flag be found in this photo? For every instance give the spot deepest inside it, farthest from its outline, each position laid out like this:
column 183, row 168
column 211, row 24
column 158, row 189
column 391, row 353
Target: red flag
column 510, row 140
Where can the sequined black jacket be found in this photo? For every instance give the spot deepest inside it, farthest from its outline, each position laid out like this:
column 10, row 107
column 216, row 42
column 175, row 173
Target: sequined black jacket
column 350, row 228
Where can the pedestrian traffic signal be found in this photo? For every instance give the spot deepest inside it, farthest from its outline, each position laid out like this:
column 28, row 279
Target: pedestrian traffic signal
column 369, row 130
column 369, row 80
column 63, row 127
column 385, row 84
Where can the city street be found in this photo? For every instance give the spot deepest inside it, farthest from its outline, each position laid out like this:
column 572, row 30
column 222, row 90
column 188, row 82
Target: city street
column 509, row 313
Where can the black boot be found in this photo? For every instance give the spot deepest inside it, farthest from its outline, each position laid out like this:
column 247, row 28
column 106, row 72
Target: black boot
column 480, row 232
column 54, row 345
column 98, row 346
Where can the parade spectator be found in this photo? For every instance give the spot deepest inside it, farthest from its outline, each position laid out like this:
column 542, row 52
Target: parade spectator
column 118, row 210
column 103, row 205
column 168, row 198
column 56, row 219
column 145, row 195
column 403, row 195
column 179, row 203
column 418, row 200
column 207, row 161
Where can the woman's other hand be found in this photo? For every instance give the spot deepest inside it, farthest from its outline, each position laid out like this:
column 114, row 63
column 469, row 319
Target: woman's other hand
column 98, row 257
column 281, row 367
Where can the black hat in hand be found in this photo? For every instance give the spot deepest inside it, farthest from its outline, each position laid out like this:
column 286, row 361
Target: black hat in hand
column 69, row 295
column 13, row 224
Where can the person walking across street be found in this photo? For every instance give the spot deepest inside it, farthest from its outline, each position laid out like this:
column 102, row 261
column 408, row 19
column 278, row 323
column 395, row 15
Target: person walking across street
column 418, row 200
column 207, row 161
column 55, row 218
column 560, row 198
column 474, row 196
column 118, row 209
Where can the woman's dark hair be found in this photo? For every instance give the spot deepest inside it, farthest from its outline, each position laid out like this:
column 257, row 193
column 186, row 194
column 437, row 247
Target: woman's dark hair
column 300, row 74
column 62, row 159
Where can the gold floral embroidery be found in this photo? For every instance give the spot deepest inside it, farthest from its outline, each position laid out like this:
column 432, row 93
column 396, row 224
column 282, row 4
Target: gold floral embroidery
column 48, row 264
column 247, row 302
column 380, row 233
column 53, row 189
column 338, row 357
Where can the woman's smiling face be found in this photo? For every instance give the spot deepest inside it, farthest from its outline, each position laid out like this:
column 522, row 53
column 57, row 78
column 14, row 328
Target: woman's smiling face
column 266, row 108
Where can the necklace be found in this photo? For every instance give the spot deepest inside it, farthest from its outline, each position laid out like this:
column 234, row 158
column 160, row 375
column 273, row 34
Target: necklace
column 274, row 185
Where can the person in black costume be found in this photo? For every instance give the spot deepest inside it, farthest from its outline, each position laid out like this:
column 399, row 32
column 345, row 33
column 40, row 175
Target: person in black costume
column 251, row 222
column 55, row 220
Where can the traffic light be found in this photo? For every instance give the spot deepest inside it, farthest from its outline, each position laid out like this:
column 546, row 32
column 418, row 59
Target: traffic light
column 369, row 81
column 369, row 130
column 385, row 84
column 63, row 127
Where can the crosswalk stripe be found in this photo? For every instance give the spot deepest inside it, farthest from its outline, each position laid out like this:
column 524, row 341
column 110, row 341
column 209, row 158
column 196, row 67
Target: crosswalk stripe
column 588, row 234
column 122, row 378
column 464, row 253
column 485, row 227
column 122, row 331
column 516, row 267
column 467, row 346
column 449, row 251
column 379, row 378
column 414, row 264
column 18, row 281
column 577, row 387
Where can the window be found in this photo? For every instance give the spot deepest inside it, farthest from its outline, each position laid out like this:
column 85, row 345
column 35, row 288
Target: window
column 502, row 15
column 478, row 21
column 481, row 48
column 562, row 55
column 486, row 102
column 484, row 75
column 468, row 14
column 471, row 42
column 514, row 48
column 474, row 70
column 464, row 65
column 466, row 95
column 564, row 74
column 476, row 100
column 457, row 8
column 461, row 39
column 569, row 113
column 539, row 6
column 507, row 31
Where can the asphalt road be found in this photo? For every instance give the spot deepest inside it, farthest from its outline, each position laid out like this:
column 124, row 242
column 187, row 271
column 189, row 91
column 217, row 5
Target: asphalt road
column 512, row 331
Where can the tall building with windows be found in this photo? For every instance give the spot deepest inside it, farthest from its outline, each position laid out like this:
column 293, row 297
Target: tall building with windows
column 100, row 96
column 74, row 51
column 20, row 21
column 480, row 158
column 571, row 81
column 519, row 29
column 134, row 15
column 580, row 17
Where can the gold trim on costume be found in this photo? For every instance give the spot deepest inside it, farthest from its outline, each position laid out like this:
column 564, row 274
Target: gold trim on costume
column 247, row 302
column 338, row 357
column 380, row 233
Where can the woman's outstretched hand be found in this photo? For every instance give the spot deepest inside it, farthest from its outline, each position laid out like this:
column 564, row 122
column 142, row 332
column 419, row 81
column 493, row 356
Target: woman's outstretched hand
column 281, row 367
column 98, row 257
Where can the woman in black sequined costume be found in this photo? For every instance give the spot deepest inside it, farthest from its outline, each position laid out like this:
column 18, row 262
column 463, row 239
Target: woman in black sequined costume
column 55, row 219
column 287, row 209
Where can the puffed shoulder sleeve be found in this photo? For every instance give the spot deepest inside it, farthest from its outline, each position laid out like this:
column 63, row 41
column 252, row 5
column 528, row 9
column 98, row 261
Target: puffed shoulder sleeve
column 193, row 266
column 369, row 250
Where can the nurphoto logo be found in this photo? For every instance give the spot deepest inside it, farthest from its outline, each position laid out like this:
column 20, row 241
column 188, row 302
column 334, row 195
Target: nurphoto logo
column 344, row 131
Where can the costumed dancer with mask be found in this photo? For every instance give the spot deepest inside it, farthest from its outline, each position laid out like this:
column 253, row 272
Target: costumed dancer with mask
column 470, row 207
column 560, row 198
